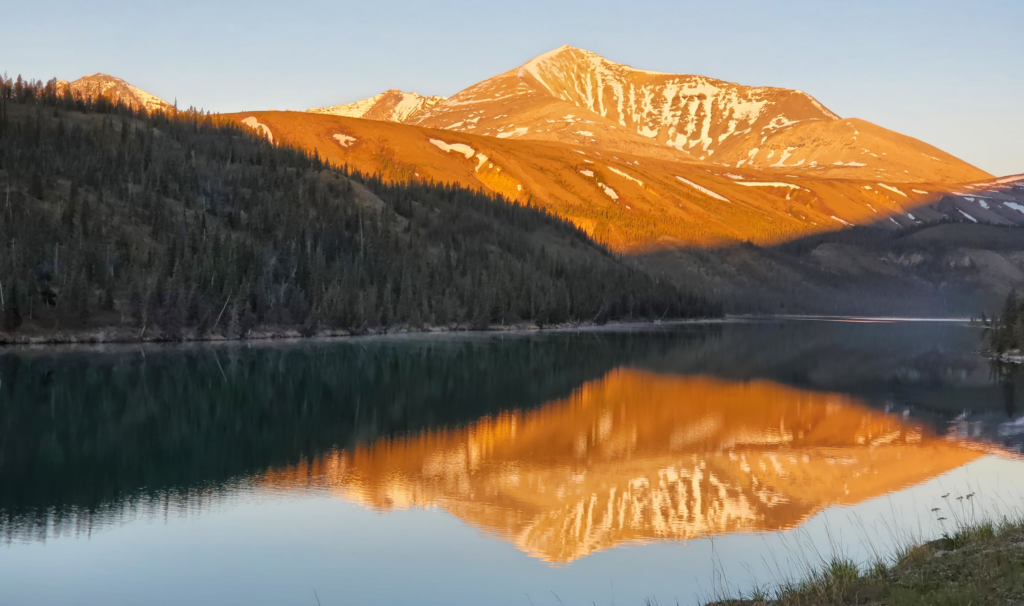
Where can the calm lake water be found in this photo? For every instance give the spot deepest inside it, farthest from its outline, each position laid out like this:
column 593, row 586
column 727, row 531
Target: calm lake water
column 564, row 468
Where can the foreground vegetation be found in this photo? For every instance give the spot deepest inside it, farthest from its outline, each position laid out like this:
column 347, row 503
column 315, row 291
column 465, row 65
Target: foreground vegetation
column 187, row 226
column 1007, row 333
column 973, row 563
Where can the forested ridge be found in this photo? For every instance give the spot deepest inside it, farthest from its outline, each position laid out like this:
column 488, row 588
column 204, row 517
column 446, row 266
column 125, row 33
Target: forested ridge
column 184, row 225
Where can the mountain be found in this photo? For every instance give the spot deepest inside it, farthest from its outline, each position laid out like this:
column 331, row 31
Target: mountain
column 389, row 106
column 573, row 96
column 634, row 203
column 116, row 89
column 183, row 225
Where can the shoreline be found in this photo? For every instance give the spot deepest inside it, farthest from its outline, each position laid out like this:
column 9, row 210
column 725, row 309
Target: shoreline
column 133, row 336
column 972, row 563
column 126, row 337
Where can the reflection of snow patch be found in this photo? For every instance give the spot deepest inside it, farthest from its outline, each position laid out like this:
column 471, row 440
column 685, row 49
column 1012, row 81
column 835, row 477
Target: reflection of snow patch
column 1012, row 428
column 703, row 190
column 918, row 191
column 1014, row 206
column 459, row 148
column 841, row 221
column 344, row 140
column 263, row 129
column 587, row 173
column 968, row 216
column 983, row 203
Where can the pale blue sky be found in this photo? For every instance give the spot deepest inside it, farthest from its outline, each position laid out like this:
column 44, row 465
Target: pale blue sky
column 948, row 72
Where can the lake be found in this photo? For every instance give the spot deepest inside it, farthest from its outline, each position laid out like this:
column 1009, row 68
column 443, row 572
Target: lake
column 595, row 467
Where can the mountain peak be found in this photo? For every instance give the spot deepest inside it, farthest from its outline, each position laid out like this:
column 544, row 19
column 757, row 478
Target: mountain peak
column 393, row 105
column 115, row 89
column 577, row 56
column 572, row 95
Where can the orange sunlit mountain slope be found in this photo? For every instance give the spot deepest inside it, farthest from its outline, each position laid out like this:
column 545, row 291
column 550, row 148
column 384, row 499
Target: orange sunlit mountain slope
column 631, row 202
column 643, row 160
column 637, row 456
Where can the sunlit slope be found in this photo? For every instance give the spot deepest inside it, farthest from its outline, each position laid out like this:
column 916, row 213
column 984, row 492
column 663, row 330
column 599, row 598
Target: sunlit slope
column 637, row 456
column 631, row 202
column 390, row 106
column 114, row 90
column 571, row 95
column 853, row 149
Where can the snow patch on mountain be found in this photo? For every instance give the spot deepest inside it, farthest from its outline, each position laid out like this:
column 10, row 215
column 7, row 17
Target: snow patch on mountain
column 459, row 148
column 703, row 190
column 768, row 184
column 624, row 175
column 259, row 127
column 892, row 189
column 344, row 140
column 519, row 132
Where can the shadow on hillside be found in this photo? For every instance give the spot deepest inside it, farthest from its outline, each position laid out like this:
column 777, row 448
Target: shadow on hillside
column 945, row 268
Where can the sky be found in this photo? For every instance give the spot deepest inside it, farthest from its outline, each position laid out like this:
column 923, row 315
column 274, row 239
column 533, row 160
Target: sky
column 949, row 73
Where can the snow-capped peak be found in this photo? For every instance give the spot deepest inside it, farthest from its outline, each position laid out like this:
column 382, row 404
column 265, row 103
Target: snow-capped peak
column 390, row 106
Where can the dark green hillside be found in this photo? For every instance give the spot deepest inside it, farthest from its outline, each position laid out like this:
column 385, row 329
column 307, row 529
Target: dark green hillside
column 183, row 226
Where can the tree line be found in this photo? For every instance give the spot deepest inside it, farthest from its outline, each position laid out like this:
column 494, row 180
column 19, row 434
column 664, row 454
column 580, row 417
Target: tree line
column 185, row 224
column 1007, row 329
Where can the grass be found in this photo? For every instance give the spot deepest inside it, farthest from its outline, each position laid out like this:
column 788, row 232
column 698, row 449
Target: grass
column 979, row 559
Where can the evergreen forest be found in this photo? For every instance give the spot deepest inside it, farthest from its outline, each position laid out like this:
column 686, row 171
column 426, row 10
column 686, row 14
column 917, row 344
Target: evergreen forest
column 182, row 225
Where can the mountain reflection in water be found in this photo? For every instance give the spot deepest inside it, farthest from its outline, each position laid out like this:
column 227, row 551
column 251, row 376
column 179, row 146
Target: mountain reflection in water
column 638, row 455
column 560, row 443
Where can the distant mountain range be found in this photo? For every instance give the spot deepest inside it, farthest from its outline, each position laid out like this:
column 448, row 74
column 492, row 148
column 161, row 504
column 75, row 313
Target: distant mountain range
column 645, row 161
